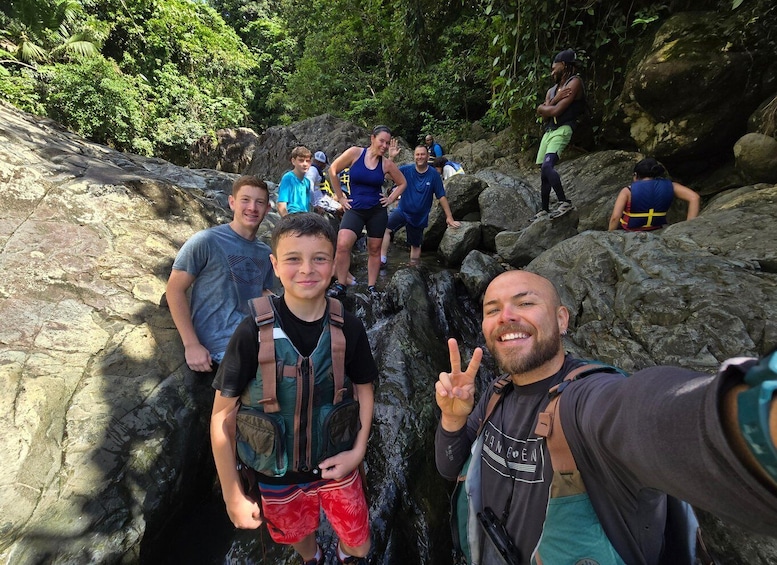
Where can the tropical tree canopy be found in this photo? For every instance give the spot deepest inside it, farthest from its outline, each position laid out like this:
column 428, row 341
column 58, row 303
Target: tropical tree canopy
column 152, row 76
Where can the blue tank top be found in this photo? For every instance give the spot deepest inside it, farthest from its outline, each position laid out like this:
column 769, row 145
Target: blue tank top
column 366, row 184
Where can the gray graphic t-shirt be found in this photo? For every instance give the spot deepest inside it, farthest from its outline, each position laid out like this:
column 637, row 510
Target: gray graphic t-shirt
column 230, row 270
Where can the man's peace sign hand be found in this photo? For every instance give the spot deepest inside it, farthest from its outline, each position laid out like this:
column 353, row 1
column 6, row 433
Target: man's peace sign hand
column 455, row 391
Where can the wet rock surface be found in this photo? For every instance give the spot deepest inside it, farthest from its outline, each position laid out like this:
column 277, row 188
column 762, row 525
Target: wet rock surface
column 104, row 445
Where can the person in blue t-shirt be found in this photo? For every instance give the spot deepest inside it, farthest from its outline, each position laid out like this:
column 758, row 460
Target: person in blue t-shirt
column 225, row 266
column 434, row 148
column 295, row 192
column 412, row 212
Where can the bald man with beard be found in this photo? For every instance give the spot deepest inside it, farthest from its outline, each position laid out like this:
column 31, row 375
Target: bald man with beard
column 662, row 431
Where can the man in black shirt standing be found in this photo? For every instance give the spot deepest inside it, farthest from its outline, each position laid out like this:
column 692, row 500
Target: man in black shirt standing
column 564, row 102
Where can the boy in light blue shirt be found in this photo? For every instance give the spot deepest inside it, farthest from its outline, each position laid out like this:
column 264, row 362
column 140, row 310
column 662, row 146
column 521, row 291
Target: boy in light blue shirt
column 295, row 191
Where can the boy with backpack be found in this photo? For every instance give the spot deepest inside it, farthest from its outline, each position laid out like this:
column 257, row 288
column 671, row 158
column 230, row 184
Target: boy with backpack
column 300, row 433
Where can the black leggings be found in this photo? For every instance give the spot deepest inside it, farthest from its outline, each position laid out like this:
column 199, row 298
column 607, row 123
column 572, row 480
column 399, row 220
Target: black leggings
column 550, row 179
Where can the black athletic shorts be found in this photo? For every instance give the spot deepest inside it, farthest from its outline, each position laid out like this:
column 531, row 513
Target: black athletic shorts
column 374, row 218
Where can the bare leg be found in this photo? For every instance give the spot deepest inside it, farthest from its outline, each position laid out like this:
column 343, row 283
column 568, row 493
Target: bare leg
column 345, row 240
column 415, row 255
column 373, row 259
column 386, row 243
column 307, row 547
column 360, row 551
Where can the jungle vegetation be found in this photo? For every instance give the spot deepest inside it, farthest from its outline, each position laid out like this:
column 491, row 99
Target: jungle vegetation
column 152, row 76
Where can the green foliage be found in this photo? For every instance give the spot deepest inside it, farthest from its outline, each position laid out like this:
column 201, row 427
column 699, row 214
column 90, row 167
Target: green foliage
column 20, row 89
column 181, row 71
column 187, row 34
column 165, row 72
column 94, row 98
column 42, row 30
column 393, row 62
column 182, row 113
column 528, row 34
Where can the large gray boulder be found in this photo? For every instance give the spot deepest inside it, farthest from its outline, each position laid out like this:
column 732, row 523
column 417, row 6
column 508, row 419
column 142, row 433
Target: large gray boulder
column 462, row 192
column 756, row 157
column 504, row 206
column 519, row 248
column 476, row 272
column 332, row 135
column 688, row 99
column 230, row 150
column 102, row 426
column 272, row 155
column 739, row 225
column 457, row 243
column 641, row 299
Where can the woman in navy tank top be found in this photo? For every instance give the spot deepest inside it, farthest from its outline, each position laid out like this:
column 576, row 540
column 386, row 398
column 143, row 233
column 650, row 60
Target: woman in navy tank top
column 366, row 205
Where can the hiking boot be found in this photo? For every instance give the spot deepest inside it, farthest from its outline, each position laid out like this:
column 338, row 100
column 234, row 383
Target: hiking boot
column 375, row 294
column 336, row 291
column 562, row 209
column 539, row 216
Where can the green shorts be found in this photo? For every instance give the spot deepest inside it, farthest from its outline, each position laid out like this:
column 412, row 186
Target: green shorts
column 554, row 142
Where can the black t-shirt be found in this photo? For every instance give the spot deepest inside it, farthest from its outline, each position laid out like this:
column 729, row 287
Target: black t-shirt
column 241, row 360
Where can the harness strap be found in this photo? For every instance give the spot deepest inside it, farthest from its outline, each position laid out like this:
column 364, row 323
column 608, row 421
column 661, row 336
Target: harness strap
column 649, row 214
column 264, row 316
column 337, row 339
column 497, row 394
column 549, row 425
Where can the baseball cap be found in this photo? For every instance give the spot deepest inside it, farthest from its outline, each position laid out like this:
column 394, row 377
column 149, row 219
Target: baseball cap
column 320, row 156
column 566, row 56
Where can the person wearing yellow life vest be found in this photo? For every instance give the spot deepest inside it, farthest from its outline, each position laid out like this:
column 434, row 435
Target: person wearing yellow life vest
column 643, row 205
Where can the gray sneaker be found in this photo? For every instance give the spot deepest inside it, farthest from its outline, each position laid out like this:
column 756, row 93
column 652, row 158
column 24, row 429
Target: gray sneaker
column 336, row 291
column 562, row 209
column 539, row 216
column 375, row 294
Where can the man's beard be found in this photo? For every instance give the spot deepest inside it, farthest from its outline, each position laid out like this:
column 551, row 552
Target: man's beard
column 542, row 352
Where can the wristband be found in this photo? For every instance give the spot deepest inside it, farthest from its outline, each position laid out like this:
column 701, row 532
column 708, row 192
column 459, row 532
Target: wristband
column 753, row 407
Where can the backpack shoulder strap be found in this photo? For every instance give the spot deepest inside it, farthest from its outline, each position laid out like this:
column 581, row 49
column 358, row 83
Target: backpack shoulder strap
column 264, row 317
column 337, row 339
column 497, row 394
column 549, row 424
